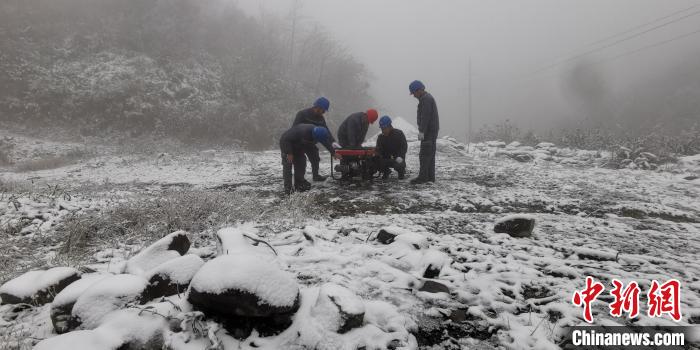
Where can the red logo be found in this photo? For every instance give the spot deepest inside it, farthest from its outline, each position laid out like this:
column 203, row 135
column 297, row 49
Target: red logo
column 626, row 300
column 663, row 299
column 587, row 296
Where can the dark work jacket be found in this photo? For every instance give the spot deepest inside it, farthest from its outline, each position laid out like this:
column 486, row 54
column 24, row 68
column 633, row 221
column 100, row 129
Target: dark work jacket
column 353, row 130
column 307, row 116
column 294, row 139
column 392, row 145
column 428, row 120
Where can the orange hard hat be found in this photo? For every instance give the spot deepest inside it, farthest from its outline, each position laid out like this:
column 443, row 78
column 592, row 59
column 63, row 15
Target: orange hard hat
column 372, row 115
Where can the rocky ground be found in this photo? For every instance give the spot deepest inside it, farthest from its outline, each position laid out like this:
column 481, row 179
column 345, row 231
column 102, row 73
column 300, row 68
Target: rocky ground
column 438, row 275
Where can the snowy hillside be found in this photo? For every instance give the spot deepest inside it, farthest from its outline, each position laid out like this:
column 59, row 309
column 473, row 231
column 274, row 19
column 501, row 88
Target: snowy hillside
column 199, row 250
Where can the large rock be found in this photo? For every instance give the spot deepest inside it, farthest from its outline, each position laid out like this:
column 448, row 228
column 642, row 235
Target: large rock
column 338, row 309
column 62, row 304
column 518, row 226
column 105, row 296
column 172, row 277
column 38, row 287
column 247, row 292
column 167, row 248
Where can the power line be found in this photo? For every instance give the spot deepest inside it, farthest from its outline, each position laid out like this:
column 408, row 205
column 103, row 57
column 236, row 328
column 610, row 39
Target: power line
column 660, row 43
column 641, row 26
column 613, row 43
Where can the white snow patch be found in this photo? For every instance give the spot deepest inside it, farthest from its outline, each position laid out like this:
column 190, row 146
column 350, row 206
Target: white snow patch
column 30, row 283
column 248, row 273
column 71, row 293
column 515, row 217
column 105, row 296
column 154, row 255
column 179, row 270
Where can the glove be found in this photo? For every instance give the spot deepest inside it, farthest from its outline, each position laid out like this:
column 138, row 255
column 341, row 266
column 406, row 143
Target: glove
column 336, row 145
column 421, row 136
column 398, row 160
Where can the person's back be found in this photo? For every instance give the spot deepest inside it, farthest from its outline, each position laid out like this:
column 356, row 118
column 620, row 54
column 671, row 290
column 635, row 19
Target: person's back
column 297, row 136
column 352, row 132
column 309, row 116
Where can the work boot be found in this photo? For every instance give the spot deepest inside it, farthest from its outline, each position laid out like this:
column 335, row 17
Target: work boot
column 288, row 190
column 302, row 186
column 319, row 178
column 401, row 175
column 418, row 181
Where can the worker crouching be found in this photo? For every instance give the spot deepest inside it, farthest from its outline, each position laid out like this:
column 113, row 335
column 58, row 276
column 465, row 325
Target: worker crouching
column 391, row 149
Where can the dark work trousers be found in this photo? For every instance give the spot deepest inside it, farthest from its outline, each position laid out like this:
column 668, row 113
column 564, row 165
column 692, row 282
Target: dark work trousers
column 314, row 157
column 299, row 166
column 426, row 158
column 386, row 163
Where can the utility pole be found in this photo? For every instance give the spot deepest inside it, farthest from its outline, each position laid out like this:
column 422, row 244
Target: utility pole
column 469, row 108
column 295, row 16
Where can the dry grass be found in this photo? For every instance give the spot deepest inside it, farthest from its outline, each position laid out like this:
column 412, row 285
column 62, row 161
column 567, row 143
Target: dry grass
column 146, row 219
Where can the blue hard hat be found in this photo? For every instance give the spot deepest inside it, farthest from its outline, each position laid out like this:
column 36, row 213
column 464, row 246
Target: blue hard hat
column 384, row 121
column 322, row 103
column 320, row 134
column 415, row 86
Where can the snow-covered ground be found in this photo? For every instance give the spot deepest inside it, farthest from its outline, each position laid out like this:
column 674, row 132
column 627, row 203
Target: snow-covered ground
column 493, row 291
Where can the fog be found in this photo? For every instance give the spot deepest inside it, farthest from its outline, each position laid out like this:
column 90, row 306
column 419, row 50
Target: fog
column 538, row 63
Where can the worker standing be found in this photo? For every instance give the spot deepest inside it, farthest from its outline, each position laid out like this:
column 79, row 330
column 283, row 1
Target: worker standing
column 314, row 116
column 428, row 128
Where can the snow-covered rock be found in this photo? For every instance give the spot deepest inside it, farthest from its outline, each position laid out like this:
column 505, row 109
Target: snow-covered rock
column 38, row 287
column 411, row 239
column 518, row 225
column 105, row 296
column 495, row 144
column 121, row 330
column 248, row 289
column 62, row 304
column 338, row 308
column 169, row 247
column 241, row 239
column 171, row 277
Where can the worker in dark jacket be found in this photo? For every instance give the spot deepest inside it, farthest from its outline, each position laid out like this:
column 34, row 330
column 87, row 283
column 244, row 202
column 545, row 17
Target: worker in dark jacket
column 314, row 116
column 293, row 142
column 391, row 149
column 428, row 128
column 353, row 130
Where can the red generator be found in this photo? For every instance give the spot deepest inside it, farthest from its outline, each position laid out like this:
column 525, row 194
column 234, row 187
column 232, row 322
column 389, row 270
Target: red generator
column 357, row 162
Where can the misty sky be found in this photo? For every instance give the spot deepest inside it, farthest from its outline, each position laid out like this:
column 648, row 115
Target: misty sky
column 507, row 40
